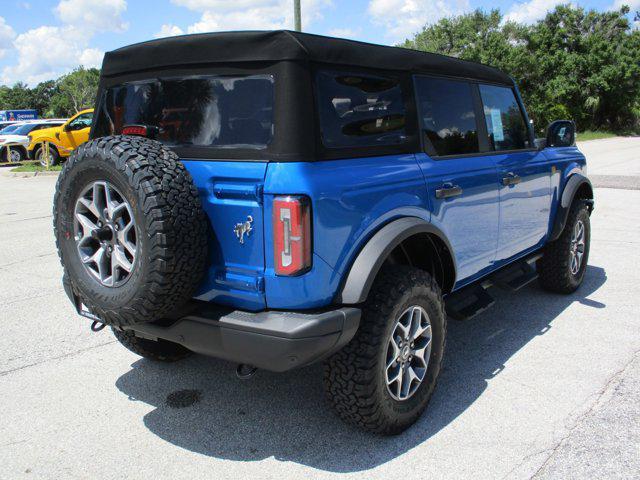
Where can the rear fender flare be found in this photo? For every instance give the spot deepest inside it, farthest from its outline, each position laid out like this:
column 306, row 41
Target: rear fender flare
column 372, row 256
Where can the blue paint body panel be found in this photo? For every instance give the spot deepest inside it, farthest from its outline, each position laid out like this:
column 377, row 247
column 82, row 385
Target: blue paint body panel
column 488, row 226
column 230, row 192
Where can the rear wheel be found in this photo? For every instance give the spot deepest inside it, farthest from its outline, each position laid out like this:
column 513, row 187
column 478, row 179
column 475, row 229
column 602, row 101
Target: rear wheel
column 384, row 378
column 16, row 155
column 564, row 262
column 158, row 350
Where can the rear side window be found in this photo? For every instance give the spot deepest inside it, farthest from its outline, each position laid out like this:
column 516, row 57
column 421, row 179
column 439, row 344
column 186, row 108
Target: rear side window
column 505, row 124
column 447, row 115
column 214, row 111
column 360, row 110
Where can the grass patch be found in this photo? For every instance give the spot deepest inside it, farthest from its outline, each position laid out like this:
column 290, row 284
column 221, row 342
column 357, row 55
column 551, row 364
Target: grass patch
column 35, row 167
column 594, row 135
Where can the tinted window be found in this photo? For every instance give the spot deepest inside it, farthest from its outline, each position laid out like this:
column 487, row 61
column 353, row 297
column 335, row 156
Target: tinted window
column 505, row 123
column 9, row 129
column 447, row 115
column 360, row 110
column 219, row 111
column 81, row 121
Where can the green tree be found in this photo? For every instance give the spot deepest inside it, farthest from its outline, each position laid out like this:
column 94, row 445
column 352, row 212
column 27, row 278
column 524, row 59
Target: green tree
column 579, row 64
column 41, row 97
column 16, row 97
column 75, row 91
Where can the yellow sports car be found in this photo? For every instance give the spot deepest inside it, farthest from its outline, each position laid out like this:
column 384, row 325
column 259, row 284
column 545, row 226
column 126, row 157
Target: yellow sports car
column 63, row 139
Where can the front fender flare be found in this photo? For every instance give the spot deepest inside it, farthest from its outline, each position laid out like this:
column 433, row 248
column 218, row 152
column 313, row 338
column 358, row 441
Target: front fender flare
column 572, row 185
column 371, row 257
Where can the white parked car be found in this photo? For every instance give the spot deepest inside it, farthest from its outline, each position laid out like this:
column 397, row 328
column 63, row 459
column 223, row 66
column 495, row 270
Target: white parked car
column 16, row 136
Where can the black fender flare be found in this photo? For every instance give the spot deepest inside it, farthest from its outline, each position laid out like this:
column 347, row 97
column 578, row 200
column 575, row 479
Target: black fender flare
column 574, row 182
column 371, row 257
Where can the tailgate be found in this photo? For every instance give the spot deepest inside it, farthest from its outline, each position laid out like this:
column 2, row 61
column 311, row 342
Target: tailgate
column 231, row 195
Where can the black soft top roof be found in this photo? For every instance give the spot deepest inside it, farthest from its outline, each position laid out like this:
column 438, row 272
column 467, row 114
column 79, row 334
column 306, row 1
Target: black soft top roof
column 284, row 45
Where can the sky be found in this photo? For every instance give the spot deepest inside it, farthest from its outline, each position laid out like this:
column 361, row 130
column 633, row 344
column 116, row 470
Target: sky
column 43, row 39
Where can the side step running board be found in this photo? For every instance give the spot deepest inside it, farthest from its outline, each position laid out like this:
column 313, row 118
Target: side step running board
column 518, row 276
column 469, row 302
column 475, row 299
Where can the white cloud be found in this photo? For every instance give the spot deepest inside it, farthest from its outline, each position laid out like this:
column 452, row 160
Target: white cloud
column 47, row 52
column 93, row 15
column 6, row 37
column 531, row 11
column 403, row 18
column 218, row 15
column 344, row 32
column 169, row 30
column 91, row 58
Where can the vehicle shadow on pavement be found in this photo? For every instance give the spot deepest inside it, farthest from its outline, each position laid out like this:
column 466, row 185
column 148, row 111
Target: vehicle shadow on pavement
column 283, row 415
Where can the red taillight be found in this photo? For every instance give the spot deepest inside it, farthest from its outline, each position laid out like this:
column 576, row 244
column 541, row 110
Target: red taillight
column 291, row 235
column 139, row 130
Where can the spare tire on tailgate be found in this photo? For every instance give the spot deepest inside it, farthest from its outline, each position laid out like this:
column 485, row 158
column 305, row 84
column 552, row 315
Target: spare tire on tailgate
column 130, row 229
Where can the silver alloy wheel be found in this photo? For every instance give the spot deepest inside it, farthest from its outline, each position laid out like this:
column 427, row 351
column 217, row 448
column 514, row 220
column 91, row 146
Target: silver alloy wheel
column 408, row 353
column 15, row 156
column 577, row 247
column 105, row 234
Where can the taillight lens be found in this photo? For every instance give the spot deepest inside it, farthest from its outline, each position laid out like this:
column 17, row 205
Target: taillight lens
column 138, row 130
column 292, row 235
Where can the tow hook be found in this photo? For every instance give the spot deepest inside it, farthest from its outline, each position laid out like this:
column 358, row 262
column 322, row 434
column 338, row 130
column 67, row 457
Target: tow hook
column 96, row 326
column 245, row 372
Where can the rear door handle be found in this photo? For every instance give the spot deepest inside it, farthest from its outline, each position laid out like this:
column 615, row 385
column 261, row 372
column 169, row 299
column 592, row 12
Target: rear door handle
column 511, row 179
column 448, row 190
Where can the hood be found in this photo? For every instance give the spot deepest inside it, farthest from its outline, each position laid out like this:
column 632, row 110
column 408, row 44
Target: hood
column 46, row 132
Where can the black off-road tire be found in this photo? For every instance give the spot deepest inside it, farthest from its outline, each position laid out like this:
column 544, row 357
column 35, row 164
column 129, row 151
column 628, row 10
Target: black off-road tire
column 171, row 228
column 158, row 350
column 554, row 269
column 354, row 378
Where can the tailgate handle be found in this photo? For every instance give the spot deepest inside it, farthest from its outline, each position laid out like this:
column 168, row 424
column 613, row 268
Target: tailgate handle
column 448, row 190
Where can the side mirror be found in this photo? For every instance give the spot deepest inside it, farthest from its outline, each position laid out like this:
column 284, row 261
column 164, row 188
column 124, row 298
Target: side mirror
column 67, row 127
column 561, row 133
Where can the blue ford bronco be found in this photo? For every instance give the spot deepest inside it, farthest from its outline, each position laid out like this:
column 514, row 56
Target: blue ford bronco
column 277, row 199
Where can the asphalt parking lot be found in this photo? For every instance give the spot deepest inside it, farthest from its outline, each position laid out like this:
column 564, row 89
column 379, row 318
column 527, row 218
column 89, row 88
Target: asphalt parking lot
column 541, row 385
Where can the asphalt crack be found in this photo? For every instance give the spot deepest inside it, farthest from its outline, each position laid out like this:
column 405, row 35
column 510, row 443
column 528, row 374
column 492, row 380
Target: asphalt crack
column 59, row 357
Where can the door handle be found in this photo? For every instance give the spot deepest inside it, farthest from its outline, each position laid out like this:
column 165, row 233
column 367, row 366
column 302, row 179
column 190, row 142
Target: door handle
column 511, row 179
column 448, row 190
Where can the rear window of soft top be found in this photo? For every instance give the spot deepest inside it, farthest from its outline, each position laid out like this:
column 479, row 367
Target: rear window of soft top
column 209, row 111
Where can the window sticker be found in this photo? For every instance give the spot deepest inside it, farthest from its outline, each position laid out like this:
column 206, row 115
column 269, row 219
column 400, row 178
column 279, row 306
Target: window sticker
column 496, row 122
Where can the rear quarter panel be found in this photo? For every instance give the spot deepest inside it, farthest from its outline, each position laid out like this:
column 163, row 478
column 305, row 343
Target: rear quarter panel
column 351, row 199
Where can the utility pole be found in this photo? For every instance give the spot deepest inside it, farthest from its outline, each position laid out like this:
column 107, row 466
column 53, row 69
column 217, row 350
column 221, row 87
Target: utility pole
column 297, row 15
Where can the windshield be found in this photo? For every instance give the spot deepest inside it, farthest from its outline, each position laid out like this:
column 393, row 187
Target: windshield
column 9, row 129
column 220, row 111
column 25, row 129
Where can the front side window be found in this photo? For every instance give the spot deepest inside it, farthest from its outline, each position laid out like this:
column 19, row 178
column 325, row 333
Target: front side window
column 505, row 124
column 360, row 110
column 447, row 115
column 81, row 121
column 212, row 111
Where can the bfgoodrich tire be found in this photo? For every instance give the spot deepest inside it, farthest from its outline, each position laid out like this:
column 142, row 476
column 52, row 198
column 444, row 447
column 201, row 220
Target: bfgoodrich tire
column 157, row 350
column 557, row 269
column 130, row 229
column 357, row 378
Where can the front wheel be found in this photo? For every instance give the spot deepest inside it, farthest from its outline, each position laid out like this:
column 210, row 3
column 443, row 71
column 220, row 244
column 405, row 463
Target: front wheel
column 54, row 157
column 384, row 378
column 564, row 262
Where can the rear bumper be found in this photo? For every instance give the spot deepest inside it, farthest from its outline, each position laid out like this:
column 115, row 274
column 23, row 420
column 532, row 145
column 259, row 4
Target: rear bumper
column 272, row 340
